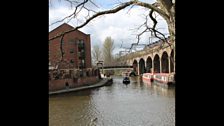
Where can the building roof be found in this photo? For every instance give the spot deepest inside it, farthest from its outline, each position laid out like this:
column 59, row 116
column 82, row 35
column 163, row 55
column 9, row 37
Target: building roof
column 68, row 27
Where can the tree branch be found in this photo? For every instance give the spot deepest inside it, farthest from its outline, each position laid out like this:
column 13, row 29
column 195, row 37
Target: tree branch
column 94, row 16
column 156, row 31
column 153, row 19
column 153, row 7
column 75, row 13
column 152, row 30
column 122, row 6
column 61, row 47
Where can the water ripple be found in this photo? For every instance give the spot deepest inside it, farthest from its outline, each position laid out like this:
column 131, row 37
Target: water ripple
column 136, row 104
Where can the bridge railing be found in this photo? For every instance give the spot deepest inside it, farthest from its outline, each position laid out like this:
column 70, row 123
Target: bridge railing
column 109, row 67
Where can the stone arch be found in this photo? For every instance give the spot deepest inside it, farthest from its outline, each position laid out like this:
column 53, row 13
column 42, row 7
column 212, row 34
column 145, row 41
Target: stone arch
column 141, row 66
column 135, row 66
column 156, row 63
column 149, row 65
column 171, row 62
column 165, row 62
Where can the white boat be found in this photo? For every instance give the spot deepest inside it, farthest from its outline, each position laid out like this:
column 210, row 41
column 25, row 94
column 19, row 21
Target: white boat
column 164, row 79
column 161, row 79
column 147, row 78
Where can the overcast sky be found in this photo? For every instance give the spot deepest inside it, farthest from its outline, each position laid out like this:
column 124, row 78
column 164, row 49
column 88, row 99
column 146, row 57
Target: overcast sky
column 121, row 26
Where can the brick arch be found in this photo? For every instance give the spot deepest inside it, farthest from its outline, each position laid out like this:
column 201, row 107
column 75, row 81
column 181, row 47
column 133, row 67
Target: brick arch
column 138, row 59
column 165, row 62
column 171, row 61
column 129, row 62
column 145, row 57
column 149, row 55
column 168, row 50
column 155, row 55
column 149, row 63
column 135, row 66
column 160, row 52
column 156, row 63
column 141, row 66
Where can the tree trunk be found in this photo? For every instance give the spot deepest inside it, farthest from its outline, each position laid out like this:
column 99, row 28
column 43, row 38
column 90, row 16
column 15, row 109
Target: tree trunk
column 171, row 27
column 169, row 8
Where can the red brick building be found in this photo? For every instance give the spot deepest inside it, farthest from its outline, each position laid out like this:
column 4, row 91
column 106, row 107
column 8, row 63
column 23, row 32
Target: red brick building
column 76, row 47
column 76, row 69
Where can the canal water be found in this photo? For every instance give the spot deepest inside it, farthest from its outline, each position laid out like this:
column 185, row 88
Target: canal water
column 136, row 104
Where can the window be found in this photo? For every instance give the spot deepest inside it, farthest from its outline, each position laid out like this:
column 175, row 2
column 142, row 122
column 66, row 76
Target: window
column 81, row 44
column 81, row 53
column 71, row 50
column 71, row 61
column 81, row 41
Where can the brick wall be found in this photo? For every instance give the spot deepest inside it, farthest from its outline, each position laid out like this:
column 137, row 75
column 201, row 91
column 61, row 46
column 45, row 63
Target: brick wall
column 60, row 84
column 54, row 46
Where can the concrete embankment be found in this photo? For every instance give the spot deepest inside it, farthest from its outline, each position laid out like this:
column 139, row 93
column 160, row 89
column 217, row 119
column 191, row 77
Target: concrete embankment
column 103, row 82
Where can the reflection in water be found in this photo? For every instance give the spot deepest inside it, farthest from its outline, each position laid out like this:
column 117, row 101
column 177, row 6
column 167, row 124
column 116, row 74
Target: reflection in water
column 136, row 104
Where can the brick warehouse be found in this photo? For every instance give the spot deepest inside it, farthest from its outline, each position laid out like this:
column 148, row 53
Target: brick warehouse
column 74, row 54
column 75, row 68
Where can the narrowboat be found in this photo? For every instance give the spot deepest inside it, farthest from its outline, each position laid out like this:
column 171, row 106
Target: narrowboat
column 164, row 79
column 147, row 78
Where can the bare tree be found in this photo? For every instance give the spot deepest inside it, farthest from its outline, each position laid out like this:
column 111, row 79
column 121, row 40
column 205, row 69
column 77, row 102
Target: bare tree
column 165, row 8
column 96, row 53
column 108, row 47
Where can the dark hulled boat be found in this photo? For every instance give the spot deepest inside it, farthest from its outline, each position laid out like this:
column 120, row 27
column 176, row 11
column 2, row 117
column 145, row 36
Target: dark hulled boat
column 126, row 80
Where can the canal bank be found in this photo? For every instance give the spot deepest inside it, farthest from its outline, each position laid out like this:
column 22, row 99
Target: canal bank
column 103, row 82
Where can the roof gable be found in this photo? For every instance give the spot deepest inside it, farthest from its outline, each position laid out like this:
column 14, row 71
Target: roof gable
column 62, row 28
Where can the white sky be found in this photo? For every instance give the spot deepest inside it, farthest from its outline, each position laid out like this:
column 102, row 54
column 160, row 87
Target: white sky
column 120, row 26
